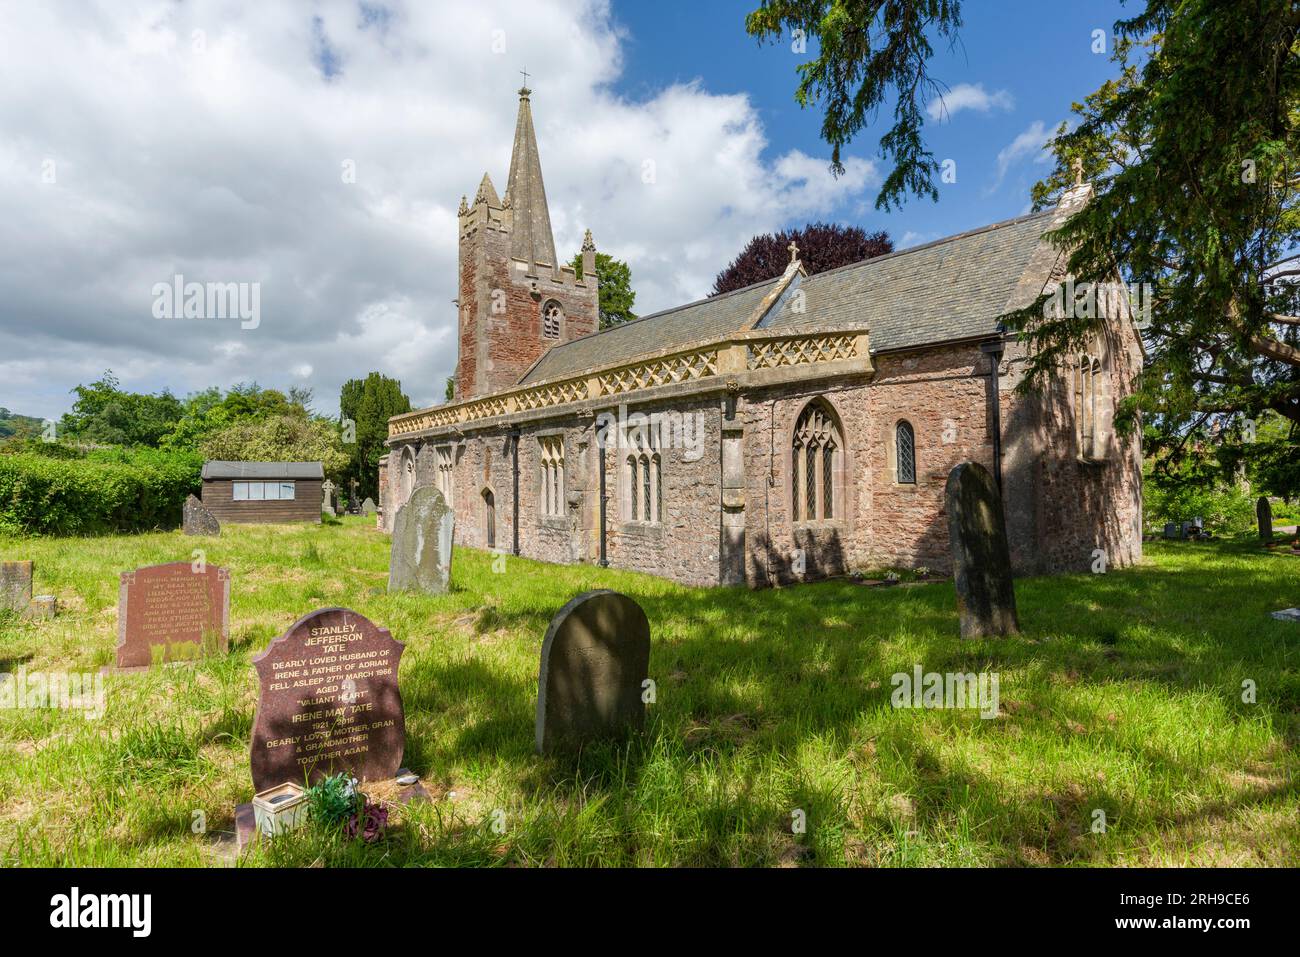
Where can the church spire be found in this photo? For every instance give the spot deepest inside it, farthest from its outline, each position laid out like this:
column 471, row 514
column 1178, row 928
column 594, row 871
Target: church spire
column 531, row 239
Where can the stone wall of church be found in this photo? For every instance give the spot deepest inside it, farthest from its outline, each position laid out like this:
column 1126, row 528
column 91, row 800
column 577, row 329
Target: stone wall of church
column 1064, row 513
column 1059, row 510
column 882, row 523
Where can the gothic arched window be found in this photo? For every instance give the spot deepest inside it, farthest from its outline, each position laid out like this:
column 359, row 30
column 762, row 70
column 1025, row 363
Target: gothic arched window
column 552, row 474
column 644, row 493
column 1087, row 385
column 552, row 319
column 446, row 471
column 817, row 455
column 905, row 453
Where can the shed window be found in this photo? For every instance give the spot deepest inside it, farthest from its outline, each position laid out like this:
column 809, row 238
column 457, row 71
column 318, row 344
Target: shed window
column 263, row 491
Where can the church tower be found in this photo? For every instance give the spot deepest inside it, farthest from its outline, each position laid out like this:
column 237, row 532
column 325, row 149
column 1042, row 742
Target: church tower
column 516, row 300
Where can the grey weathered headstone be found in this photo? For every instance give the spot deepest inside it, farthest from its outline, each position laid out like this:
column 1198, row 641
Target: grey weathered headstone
column 368, row 506
column 327, row 501
column 420, row 557
column 198, row 520
column 1264, row 516
column 15, row 585
column 43, row 606
column 981, row 558
column 595, row 659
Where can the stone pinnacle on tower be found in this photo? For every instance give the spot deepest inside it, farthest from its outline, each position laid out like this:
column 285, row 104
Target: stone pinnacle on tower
column 531, row 239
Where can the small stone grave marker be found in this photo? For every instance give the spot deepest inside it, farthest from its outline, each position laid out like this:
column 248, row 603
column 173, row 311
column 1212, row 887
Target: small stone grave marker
column 173, row 612
column 197, row 520
column 329, row 702
column 981, row 557
column 595, row 659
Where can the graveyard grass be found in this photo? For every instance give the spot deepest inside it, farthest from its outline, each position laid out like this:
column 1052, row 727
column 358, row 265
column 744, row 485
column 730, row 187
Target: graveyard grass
column 1124, row 695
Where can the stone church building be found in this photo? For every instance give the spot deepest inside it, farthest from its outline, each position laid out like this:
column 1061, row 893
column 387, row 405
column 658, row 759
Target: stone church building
column 799, row 428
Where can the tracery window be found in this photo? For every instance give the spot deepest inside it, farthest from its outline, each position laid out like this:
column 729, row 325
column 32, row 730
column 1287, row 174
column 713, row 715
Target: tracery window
column 446, row 464
column 817, row 452
column 1086, row 387
column 552, row 475
column 644, row 477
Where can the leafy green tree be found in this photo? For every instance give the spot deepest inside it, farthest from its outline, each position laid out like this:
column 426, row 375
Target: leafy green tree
column 105, row 414
column 279, row 438
column 865, row 49
column 369, row 403
column 450, row 392
column 614, row 282
column 1192, row 152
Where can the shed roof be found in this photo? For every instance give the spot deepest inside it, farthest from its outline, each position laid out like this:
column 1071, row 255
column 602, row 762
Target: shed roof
column 263, row 470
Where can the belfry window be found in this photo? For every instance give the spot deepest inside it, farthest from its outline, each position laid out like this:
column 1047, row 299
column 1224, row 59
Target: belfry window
column 552, row 319
column 816, row 457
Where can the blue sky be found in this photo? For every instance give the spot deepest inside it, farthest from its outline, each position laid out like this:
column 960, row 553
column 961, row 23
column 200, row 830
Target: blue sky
column 1038, row 51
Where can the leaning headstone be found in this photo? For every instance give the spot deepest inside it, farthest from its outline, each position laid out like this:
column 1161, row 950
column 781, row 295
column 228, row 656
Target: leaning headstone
column 595, row 658
column 420, row 555
column 197, row 520
column 1264, row 516
column 981, row 558
column 368, row 506
column 329, row 702
column 15, row 585
column 174, row 612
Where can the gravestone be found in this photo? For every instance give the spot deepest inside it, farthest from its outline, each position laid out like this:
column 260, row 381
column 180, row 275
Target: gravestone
column 420, row 555
column 197, row 520
column 595, row 658
column 173, row 612
column 981, row 558
column 327, row 503
column 368, row 506
column 1264, row 516
column 329, row 702
column 15, row 585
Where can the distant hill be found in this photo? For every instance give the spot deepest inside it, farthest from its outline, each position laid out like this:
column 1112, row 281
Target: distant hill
column 11, row 423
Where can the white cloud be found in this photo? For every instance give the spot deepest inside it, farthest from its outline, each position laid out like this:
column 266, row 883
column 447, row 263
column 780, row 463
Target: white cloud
column 1032, row 142
column 215, row 140
column 968, row 96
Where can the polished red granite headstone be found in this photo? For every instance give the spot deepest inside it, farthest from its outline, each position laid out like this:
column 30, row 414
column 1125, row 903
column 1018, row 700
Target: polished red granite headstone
column 173, row 612
column 329, row 702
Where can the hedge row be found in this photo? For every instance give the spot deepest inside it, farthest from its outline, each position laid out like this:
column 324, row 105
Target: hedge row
column 50, row 496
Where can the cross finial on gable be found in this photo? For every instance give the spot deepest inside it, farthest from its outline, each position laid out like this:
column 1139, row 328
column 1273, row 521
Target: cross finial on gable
column 1077, row 165
column 794, row 251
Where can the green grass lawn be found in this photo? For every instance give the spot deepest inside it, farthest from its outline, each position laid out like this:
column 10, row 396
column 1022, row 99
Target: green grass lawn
column 1124, row 694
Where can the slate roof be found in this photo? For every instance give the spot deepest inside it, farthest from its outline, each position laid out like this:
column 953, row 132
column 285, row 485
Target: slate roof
column 263, row 470
column 953, row 288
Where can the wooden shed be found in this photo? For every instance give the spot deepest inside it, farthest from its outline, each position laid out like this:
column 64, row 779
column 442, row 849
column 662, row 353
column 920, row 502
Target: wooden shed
column 263, row 491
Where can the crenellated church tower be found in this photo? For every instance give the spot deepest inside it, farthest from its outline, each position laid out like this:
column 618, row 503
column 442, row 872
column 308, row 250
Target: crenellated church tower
column 516, row 300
